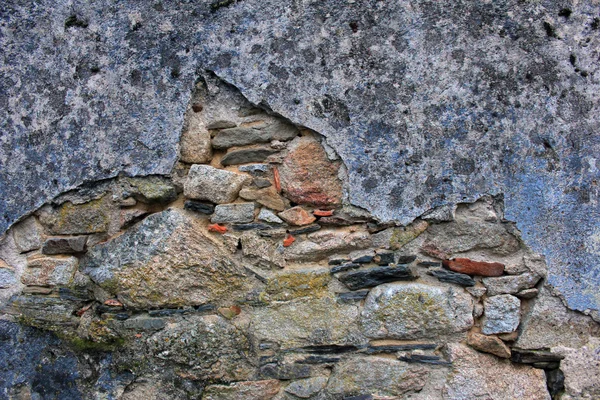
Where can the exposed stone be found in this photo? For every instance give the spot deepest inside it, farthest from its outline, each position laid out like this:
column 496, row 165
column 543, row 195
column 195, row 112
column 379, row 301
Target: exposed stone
column 303, row 322
column 297, row 216
column 194, row 145
column 284, row 371
column 555, row 380
column 510, row 284
column 165, row 261
column 324, row 243
column 197, row 206
column 250, row 227
column 269, row 216
column 48, row 313
column 344, row 267
column 451, row 277
column 527, row 294
column 297, row 283
column 244, row 136
column 534, row 356
column 376, row 276
column 144, row 323
column 362, row 256
column 478, row 310
column 416, row 311
column 396, row 238
column 221, row 124
column 208, row 345
column 27, row 235
column 391, row 346
column 550, row 324
column 470, row 267
column 233, row 213
column 152, row 189
column 73, row 219
column 481, row 376
column 422, row 359
column 476, row 291
column 255, row 169
column 351, row 297
column 262, row 183
column 307, row 175
column 127, row 217
column 7, row 275
column 250, row 390
column 488, row 344
column 215, row 185
column 581, row 368
column 262, row 250
column 306, row 229
column 306, row 388
column 376, row 376
column 502, row 314
column 244, row 155
column 64, row 245
column 384, row 257
column 49, row 271
column 471, row 231
column 268, row 197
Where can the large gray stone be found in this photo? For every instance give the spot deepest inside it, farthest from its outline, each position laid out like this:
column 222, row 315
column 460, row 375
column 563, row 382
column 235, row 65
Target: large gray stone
column 90, row 116
column 168, row 260
column 209, row 183
column 233, row 213
column 502, row 314
column 243, row 136
column 27, row 235
column 414, row 311
column 511, row 284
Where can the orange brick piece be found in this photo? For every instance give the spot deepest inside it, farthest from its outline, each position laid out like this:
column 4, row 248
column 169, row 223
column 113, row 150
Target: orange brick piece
column 217, row 228
column 323, row 213
column 470, row 267
column 289, row 239
column 113, row 303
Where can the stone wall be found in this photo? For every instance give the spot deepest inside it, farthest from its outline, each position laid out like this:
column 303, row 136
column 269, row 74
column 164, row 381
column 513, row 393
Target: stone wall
column 246, row 273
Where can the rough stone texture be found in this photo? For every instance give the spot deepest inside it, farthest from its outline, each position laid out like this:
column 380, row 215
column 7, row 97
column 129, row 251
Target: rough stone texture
column 243, row 155
column 550, row 324
column 7, row 275
column 27, row 235
column 318, row 321
column 269, row 216
column 488, row 344
column 306, row 388
column 73, row 219
column 501, row 314
column 480, row 376
column 65, row 245
column 324, row 243
column 581, row 367
column 297, row 216
column 451, row 277
column 151, row 189
column 167, row 260
column 208, row 183
column 243, row 136
column 268, row 197
column 195, row 146
column 510, row 284
column 373, row 276
column 250, row 390
column 233, row 213
column 414, row 310
column 264, row 251
column 473, row 121
column 49, row 271
column 380, row 377
column 308, row 176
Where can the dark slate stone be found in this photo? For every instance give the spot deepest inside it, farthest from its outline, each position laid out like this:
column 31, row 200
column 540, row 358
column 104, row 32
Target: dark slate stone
column 351, row 297
column 327, row 349
column 336, row 260
column 341, row 220
column 197, row 206
column 305, row 229
column 286, row 372
column 247, row 155
column 144, row 323
column 452, row 277
column 400, row 347
column 344, row 267
column 103, row 308
column 406, row 259
column 555, row 380
column 64, row 245
column 534, row 356
column 122, row 316
column 250, row 227
column 363, row 259
column 430, row 264
column 167, row 312
column 376, row 276
column 262, row 183
column 382, row 258
column 39, row 359
column 74, row 294
column 359, row 397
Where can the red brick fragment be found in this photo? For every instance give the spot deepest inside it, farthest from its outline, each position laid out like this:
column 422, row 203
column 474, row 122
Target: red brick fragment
column 217, row 228
column 323, row 213
column 470, row 267
column 84, row 309
column 236, row 309
column 113, row 303
column 289, row 239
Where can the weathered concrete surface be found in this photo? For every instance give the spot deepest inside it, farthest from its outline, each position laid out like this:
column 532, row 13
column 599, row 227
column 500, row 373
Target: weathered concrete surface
column 427, row 103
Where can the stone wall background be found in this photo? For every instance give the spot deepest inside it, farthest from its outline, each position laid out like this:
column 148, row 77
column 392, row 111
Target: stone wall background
column 422, row 107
